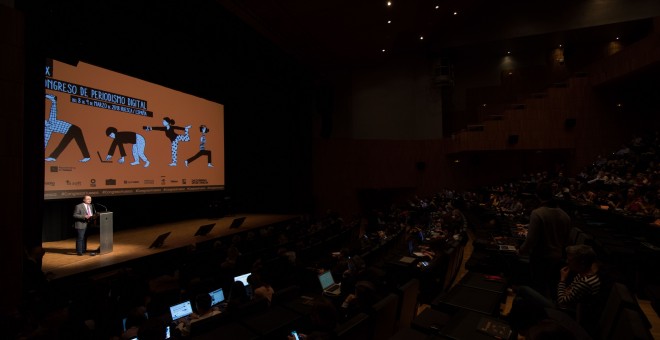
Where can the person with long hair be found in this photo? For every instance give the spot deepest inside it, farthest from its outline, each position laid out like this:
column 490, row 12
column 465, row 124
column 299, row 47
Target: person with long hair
column 170, row 133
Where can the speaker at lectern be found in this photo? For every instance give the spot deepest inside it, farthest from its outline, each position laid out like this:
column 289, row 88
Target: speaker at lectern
column 105, row 234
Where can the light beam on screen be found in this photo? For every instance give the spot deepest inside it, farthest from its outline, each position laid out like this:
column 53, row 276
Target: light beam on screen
column 108, row 134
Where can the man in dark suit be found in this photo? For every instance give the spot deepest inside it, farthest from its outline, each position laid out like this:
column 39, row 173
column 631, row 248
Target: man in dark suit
column 82, row 216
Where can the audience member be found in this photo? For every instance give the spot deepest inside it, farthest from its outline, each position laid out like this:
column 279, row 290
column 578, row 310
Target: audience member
column 260, row 288
column 238, row 296
column 529, row 319
column 203, row 310
column 323, row 318
column 153, row 329
column 546, row 240
column 136, row 317
column 361, row 300
column 585, row 283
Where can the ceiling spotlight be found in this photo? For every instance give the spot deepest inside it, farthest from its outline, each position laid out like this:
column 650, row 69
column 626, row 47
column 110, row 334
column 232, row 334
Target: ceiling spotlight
column 389, row 3
column 560, row 45
column 389, row 21
column 383, row 50
column 455, row 13
column 421, row 37
column 436, row 7
column 617, row 38
column 508, row 52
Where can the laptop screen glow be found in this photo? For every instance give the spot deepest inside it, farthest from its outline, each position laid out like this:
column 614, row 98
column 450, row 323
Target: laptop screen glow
column 242, row 278
column 326, row 279
column 181, row 310
column 217, row 296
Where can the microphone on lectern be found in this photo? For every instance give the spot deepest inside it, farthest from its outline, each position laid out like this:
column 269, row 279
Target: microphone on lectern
column 102, row 206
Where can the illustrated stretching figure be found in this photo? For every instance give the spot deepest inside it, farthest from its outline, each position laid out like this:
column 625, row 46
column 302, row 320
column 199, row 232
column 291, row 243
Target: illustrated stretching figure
column 119, row 138
column 170, row 133
column 202, row 147
column 70, row 132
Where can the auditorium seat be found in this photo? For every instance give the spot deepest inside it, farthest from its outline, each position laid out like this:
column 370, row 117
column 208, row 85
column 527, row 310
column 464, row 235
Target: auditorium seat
column 630, row 325
column 384, row 316
column 430, row 321
column 619, row 299
column 208, row 324
column 468, row 298
column 408, row 302
column 355, row 328
column 412, row 334
column 274, row 323
column 230, row 330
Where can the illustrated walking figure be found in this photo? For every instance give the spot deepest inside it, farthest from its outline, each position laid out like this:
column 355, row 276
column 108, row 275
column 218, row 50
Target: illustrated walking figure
column 119, row 138
column 170, row 133
column 202, row 147
column 70, row 132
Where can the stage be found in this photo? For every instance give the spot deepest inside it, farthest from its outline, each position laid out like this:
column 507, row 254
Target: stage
column 62, row 261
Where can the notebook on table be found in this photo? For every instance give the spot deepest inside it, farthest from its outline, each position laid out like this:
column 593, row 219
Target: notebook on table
column 328, row 284
column 181, row 310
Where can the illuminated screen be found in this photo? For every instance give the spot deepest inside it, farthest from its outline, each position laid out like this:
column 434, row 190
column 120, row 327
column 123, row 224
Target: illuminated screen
column 109, row 134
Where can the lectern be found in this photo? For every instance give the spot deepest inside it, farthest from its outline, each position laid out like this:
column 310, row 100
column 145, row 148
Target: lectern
column 105, row 233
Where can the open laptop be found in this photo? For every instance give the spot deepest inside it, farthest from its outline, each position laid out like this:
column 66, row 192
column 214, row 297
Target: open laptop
column 328, row 284
column 243, row 278
column 217, row 296
column 181, row 310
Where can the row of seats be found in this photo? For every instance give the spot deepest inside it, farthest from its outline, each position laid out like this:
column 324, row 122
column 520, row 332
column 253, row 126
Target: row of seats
column 457, row 313
column 289, row 311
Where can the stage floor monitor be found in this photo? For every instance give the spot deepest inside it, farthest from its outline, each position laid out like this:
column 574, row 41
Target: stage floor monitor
column 205, row 229
column 237, row 222
column 158, row 242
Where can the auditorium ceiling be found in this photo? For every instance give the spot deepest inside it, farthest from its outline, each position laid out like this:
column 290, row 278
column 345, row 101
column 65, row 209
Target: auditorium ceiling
column 354, row 31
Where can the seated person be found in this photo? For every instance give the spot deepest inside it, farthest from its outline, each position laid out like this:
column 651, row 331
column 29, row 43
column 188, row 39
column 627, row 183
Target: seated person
column 323, row 320
column 136, row 317
column 238, row 296
column 584, row 283
column 534, row 321
column 361, row 301
column 153, row 329
column 260, row 288
column 204, row 310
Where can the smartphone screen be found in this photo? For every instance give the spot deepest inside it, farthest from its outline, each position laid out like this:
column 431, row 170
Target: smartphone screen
column 167, row 332
column 294, row 334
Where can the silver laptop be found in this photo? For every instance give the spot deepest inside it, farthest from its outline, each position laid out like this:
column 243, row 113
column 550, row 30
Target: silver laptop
column 328, row 284
column 181, row 310
column 217, row 296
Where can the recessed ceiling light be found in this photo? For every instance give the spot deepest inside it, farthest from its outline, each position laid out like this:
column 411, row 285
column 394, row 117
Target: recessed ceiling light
column 455, row 13
column 389, row 3
column 383, row 50
column 508, row 52
column 421, row 37
column 560, row 45
column 617, row 38
column 436, row 7
column 389, row 21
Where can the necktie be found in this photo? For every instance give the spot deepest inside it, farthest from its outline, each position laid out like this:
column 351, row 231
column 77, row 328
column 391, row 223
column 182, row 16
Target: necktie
column 89, row 212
